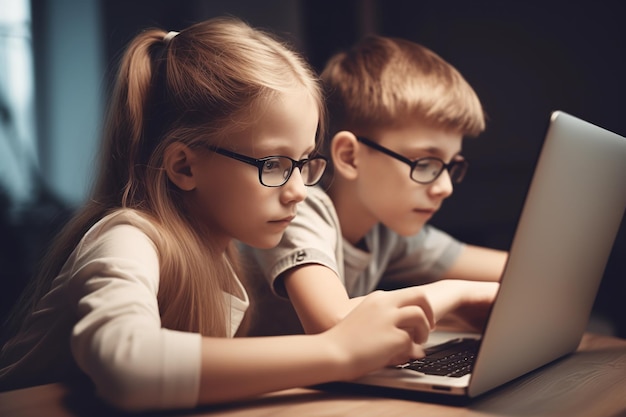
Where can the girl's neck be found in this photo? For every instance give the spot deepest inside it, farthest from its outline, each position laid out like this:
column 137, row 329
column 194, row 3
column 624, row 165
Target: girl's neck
column 214, row 240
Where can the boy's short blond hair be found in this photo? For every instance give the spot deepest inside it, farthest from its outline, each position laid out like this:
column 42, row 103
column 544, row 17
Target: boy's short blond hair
column 382, row 81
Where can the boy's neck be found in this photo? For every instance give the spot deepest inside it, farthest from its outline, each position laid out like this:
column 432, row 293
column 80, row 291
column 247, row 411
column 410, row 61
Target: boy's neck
column 355, row 222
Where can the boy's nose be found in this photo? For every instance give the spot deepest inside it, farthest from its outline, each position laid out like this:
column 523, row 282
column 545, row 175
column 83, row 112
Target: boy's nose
column 442, row 186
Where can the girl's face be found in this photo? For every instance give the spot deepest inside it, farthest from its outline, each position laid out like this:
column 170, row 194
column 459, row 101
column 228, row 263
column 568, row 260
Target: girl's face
column 229, row 197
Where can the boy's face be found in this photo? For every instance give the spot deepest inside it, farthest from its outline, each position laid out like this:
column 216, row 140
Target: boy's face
column 384, row 186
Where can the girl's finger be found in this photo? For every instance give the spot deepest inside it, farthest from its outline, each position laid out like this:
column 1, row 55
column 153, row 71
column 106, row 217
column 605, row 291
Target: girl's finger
column 414, row 320
column 414, row 296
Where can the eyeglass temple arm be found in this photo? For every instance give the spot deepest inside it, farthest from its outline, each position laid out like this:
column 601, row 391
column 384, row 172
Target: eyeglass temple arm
column 237, row 156
column 379, row 148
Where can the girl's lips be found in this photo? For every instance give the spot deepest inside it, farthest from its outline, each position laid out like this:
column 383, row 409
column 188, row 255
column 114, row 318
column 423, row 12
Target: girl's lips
column 285, row 220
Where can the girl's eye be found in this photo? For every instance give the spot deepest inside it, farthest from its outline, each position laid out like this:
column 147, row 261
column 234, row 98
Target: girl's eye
column 271, row 164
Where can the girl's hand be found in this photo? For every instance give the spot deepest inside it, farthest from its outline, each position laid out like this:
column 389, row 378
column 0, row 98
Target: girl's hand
column 386, row 328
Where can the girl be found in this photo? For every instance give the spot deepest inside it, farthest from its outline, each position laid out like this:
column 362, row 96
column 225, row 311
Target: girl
column 210, row 138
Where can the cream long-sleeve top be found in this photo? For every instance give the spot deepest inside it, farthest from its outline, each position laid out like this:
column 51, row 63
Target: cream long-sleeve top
column 101, row 318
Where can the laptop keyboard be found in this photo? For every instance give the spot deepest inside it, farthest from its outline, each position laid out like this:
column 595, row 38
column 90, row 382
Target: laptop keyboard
column 454, row 358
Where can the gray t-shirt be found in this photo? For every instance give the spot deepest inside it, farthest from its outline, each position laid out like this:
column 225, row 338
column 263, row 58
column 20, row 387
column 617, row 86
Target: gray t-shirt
column 314, row 237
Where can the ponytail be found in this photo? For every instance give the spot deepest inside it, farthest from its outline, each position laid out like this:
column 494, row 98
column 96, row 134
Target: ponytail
column 127, row 118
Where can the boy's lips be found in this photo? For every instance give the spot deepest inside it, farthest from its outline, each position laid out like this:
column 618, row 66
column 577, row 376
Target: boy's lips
column 426, row 210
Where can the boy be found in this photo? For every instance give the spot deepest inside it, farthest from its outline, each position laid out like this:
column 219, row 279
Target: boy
column 397, row 117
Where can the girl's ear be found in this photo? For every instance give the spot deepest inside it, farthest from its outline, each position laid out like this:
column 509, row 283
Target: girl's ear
column 177, row 161
column 343, row 150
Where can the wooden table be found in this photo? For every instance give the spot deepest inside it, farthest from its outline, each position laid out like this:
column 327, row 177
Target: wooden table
column 589, row 383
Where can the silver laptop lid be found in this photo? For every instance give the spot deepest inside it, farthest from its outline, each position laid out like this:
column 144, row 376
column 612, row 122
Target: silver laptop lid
column 571, row 216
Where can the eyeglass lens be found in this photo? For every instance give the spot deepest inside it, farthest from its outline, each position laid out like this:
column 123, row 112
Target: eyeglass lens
column 277, row 170
column 427, row 170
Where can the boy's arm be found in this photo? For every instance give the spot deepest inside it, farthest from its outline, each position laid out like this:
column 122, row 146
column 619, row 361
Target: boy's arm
column 318, row 296
column 477, row 263
column 321, row 301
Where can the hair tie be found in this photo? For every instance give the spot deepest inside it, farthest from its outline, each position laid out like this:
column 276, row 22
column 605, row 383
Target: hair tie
column 170, row 35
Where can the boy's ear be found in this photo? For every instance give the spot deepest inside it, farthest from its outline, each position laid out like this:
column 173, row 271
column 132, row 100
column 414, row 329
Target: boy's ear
column 177, row 160
column 343, row 151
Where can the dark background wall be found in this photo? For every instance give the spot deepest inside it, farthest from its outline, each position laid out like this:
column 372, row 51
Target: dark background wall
column 524, row 59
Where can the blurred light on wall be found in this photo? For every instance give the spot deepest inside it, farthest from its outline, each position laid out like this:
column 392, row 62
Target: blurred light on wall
column 18, row 156
column 69, row 82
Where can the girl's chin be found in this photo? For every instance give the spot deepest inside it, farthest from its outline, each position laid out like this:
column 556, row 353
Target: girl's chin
column 266, row 242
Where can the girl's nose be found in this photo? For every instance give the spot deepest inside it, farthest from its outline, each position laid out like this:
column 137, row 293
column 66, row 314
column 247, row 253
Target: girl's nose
column 294, row 189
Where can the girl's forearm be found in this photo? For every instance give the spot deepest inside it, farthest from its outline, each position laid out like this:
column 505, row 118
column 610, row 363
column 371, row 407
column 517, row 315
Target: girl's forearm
column 384, row 329
column 242, row 367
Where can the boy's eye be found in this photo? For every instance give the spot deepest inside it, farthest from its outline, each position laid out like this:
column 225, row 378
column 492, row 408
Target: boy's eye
column 423, row 164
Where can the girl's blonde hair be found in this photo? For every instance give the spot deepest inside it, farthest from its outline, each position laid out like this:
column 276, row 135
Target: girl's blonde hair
column 209, row 80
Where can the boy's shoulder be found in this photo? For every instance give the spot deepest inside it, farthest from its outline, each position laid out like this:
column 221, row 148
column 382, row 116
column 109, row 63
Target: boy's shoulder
column 317, row 193
column 319, row 202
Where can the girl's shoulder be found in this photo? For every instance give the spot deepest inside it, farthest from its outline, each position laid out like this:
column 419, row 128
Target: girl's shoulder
column 124, row 218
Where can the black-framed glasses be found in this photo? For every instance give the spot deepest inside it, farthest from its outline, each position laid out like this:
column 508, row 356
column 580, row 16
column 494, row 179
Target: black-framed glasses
column 424, row 170
column 275, row 171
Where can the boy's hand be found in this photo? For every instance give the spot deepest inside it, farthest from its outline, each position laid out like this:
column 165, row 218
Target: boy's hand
column 476, row 301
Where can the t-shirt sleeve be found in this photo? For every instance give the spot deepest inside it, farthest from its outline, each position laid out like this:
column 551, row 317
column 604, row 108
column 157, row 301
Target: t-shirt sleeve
column 312, row 237
column 118, row 340
column 422, row 258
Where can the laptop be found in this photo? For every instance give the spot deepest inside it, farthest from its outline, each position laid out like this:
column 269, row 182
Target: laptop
column 562, row 242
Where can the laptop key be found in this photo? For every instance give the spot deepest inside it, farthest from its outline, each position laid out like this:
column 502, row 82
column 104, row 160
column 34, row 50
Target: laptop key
column 453, row 359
